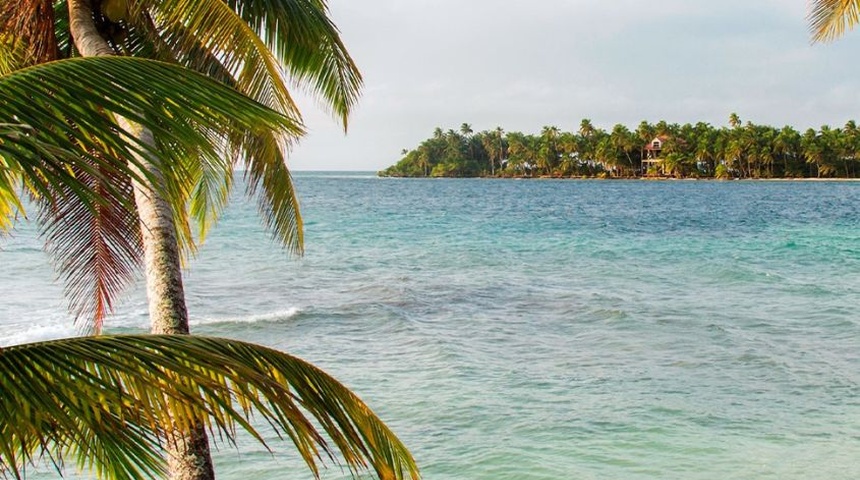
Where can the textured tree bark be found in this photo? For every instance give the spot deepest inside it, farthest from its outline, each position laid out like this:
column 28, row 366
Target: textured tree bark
column 188, row 453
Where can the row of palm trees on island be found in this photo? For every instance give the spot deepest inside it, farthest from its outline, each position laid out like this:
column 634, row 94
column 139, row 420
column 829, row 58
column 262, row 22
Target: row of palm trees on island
column 738, row 150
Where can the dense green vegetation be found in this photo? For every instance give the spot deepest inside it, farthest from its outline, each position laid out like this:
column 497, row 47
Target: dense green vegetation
column 656, row 150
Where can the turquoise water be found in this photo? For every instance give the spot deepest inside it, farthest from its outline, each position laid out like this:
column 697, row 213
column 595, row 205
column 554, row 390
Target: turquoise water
column 543, row 329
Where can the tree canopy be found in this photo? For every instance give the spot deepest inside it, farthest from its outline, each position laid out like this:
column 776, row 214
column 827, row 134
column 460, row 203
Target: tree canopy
column 701, row 150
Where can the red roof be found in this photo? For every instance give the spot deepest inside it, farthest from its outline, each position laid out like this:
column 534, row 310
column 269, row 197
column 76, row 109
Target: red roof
column 661, row 138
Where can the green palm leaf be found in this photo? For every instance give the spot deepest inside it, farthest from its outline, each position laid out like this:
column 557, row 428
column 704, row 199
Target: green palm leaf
column 101, row 400
column 830, row 19
column 11, row 55
column 194, row 119
column 189, row 27
column 29, row 26
column 184, row 110
column 245, row 44
column 96, row 249
column 254, row 39
column 305, row 40
column 208, row 195
column 268, row 178
column 218, row 42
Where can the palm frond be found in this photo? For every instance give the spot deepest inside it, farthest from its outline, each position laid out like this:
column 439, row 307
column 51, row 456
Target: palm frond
column 192, row 33
column 268, row 178
column 255, row 39
column 12, row 54
column 210, row 191
column 830, row 19
column 62, row 29
column 214, row 181
column 10, row 203
column 190, row 27
column 308, row 44
column 97, row 250
column 11, row 182
column 210, row 173
column 208, row 196
column 175, row 44
column 31, row 23
column 183, row 109
column 193, row 118
column 102, row 400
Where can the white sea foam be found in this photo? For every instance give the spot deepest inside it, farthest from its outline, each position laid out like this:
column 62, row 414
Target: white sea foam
column 38, row 333
column 258, row 318
column 20, row 334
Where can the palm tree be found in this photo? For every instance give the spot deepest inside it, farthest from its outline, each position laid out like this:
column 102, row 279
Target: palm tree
column 567, row 146
column 500, row 133
column 424, row 161
column 830, row 142
column 674, row 164
column 466, row 129
column 830, row 19
column 547, row 158
column 850, row 145
column 606, row 155
column 103, row 401
column 787, row 145
column 522, row 152
column 38, row 148
column 813, row 150
column 587, row 144
column 734, row 120
column 645, row 132
column 492, row 141
column 704, row 147
column 454, row 153
column 245, row 44
column 739, row 146
column 586, row 128
column 623, row 141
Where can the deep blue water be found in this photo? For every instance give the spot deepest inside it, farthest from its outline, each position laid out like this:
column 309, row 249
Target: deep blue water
column 513, row 329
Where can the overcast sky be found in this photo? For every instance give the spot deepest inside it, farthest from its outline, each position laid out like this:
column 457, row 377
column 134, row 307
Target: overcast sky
column 524, row 64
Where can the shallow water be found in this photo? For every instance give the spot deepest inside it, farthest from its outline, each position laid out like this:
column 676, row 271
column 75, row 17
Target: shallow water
column 543, row 329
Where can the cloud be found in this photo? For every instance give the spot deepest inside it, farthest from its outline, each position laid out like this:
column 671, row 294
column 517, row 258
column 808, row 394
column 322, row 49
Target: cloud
column 523, row 65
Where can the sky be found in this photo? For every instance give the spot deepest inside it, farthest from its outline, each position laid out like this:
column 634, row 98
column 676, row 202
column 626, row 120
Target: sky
column 524, row 64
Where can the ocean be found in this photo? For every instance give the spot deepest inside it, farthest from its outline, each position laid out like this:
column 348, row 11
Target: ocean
column 540, row 329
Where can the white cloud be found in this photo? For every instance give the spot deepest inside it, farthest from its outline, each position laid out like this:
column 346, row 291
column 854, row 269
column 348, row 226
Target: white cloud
column 524, row 64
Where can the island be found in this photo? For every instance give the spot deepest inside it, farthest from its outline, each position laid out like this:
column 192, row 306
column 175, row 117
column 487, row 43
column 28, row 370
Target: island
column 660, row 150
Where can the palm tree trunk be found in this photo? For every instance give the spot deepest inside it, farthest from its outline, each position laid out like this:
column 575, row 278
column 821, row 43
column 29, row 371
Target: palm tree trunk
column 188, row 453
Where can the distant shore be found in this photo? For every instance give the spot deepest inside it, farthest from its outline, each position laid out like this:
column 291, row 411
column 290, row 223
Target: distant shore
column 661, row 150
column 645, row 179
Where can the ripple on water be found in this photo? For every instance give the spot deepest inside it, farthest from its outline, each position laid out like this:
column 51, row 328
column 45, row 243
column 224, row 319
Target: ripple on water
column 545, row 330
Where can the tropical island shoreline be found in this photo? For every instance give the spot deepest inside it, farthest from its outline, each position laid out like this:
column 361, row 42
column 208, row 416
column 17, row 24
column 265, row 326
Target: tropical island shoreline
column 645, row 179
column 651, row 151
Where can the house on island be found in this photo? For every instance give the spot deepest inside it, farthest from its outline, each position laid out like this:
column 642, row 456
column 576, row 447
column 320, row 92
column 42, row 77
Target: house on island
column 652, row 158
